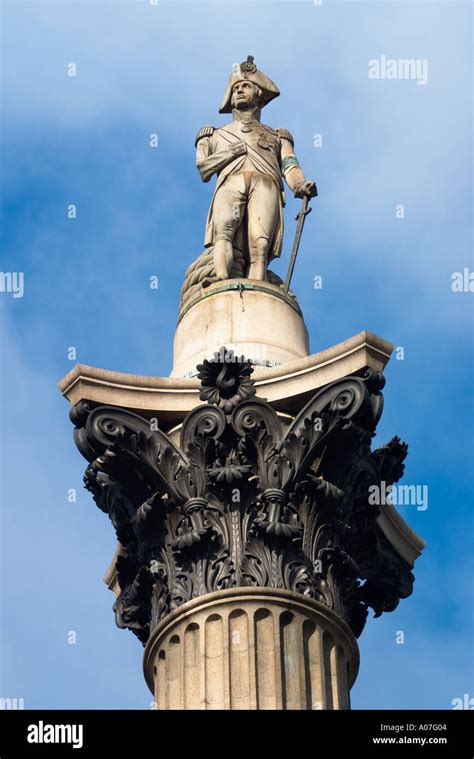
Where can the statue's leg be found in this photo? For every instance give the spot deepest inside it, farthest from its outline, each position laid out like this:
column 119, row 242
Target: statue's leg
column 262, row 212
column 228, row 210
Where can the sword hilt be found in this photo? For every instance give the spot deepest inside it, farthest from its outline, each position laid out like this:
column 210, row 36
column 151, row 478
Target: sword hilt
column 304, row 210
column 303, row 213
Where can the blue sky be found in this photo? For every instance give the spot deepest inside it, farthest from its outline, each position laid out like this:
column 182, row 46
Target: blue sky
column 143, row 69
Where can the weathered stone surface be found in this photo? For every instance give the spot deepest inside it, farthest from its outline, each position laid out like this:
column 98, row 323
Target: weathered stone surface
column 258, row 321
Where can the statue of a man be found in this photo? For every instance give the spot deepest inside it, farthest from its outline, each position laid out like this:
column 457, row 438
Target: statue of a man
column 250, row 160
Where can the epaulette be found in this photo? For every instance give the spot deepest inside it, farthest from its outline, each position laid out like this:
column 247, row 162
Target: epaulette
column 206, row 131
column 286, row 135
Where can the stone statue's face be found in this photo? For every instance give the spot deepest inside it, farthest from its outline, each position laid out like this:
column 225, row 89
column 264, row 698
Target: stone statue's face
column 244, row 95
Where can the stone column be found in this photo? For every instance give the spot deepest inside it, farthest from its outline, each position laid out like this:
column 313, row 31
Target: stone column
column 253, row 648
column 250, row 547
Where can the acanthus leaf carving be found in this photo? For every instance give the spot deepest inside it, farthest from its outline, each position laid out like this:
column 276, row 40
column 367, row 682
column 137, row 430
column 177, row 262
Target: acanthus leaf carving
column 247, row 498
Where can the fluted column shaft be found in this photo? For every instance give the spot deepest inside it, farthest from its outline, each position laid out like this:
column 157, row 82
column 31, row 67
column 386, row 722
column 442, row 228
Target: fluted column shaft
column 251, row 648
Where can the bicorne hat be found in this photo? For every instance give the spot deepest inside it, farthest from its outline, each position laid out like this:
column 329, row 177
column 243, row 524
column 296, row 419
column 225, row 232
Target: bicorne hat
column 247, row 71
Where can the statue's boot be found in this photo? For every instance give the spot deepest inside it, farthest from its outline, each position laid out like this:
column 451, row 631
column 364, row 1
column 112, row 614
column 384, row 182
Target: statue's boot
column 223, row 255
column 258, row 260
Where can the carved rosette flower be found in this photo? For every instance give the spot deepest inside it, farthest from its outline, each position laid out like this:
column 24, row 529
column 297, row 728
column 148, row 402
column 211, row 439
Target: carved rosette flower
column 229, row 470
column 225, row 380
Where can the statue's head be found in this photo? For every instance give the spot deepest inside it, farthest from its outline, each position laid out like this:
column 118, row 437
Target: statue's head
column 245, row 95
column 248, row 88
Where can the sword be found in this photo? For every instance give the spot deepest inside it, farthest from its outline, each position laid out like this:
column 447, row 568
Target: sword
column 300, row 217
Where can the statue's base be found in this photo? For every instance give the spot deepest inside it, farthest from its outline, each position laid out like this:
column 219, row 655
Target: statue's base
column 251, row 648
column 253, row 318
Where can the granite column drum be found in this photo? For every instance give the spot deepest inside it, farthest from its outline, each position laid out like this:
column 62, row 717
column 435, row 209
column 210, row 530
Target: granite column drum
column 256, row 648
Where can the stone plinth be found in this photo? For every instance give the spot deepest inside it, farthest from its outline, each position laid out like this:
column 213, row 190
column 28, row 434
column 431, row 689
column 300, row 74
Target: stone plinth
column 251, row 648
column 252, row 318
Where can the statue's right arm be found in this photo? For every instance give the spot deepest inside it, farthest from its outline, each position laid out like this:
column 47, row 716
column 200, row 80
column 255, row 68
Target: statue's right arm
column 209, row 162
